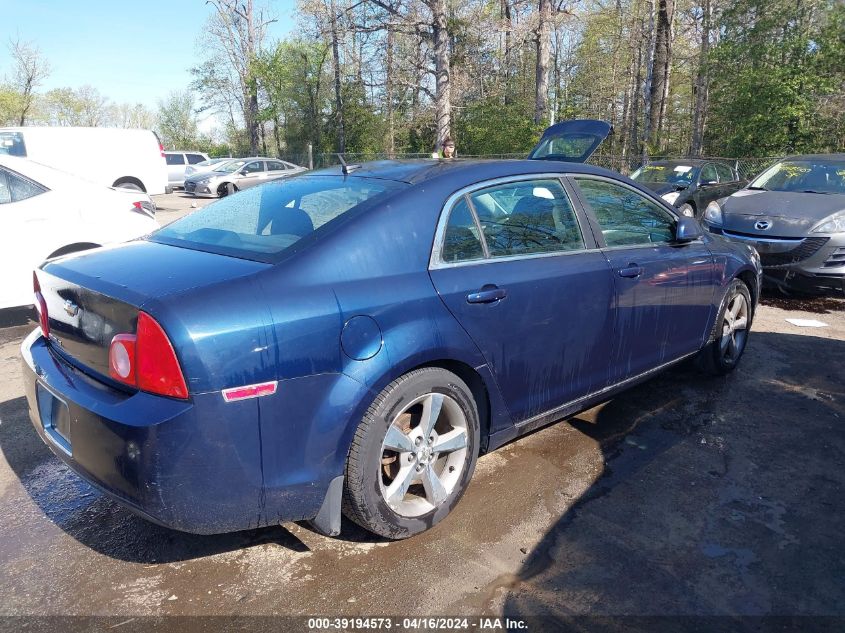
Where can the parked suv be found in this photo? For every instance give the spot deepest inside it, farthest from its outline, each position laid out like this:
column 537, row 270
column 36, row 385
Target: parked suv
column 177, row 162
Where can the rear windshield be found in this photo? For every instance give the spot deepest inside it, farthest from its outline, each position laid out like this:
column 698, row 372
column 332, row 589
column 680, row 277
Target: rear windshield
column 11, row 143
column 261, row 222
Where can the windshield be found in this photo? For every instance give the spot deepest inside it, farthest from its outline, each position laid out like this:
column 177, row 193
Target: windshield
column 814, row 176
column 669, row 173
column 261, row 222
column 228, row 168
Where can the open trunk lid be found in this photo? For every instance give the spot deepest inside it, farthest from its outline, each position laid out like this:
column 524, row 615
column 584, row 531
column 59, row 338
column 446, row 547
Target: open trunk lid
column 571, row 141
column 93, row 296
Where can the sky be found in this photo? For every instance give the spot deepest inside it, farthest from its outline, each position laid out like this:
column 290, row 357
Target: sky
column 131, row 51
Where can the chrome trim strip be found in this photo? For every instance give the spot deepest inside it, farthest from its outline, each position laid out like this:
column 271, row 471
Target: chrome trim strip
column 435, row 262
column 600, row 392
column 773, row 240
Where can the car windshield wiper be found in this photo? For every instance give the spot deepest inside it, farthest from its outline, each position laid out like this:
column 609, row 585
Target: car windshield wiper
column 757, row 188
column 814, row 191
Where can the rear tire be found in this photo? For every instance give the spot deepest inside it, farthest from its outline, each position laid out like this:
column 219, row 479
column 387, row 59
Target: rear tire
column 730, row 332
column 397, row 482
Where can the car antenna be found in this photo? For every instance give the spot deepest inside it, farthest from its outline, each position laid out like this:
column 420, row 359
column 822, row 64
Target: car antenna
column 346, row 169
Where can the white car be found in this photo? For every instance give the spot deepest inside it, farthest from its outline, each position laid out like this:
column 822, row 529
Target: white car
column 46, row 213
column 112, row 157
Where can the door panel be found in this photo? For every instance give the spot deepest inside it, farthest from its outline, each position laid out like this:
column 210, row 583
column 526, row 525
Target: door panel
column 662, row 290
column 541, row 311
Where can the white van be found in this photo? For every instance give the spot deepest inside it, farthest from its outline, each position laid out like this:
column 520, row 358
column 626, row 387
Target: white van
column 133, row 159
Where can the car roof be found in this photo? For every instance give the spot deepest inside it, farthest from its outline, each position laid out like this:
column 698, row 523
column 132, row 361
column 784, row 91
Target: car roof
column 472, row 170
column 822, row 157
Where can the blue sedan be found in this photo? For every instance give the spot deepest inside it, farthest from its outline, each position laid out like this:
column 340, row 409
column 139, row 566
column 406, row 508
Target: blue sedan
column 349, row 341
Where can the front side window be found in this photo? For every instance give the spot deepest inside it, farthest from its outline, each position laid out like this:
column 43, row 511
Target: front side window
column 626, row 217
column 261, row 222
column 726, row 174
column 708, row 174
column 527, row 217
column 174, row 159
column 253, row 167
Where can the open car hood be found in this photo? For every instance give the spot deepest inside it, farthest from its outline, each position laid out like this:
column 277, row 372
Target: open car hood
column 571, row 141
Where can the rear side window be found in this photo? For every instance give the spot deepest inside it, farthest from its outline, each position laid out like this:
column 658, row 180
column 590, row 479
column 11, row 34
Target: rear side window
column 461, row 241
column 261, row 222
column 526, row 217
column 12, row 144
column 13, row 188
column 195, row 159
column 174, row 159
column 275, row 165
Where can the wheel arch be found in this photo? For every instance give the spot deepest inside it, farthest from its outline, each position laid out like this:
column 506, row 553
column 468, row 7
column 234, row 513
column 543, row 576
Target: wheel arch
column 126, row 180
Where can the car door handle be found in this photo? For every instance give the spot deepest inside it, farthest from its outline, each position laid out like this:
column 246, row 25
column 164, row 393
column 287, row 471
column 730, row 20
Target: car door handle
column 488, row 294
column 631, row 271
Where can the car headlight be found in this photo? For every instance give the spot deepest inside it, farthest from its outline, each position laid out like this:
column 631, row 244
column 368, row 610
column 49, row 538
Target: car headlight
column 834, row 224
column 713, row 213
column 203, row 181
column 671, row 196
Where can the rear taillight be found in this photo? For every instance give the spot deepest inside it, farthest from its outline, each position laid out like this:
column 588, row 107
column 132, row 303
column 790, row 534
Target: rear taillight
column 146, row 360
column 41, row 306
column 144, row 208
column 161, row 149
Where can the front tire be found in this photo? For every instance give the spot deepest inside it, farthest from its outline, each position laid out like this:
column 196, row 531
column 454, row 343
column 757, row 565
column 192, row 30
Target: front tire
column 413, row 454
column 687, row 209
column 730, row 334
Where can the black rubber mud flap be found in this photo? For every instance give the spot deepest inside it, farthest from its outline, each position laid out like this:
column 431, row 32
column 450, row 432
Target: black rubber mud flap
column 327, row 521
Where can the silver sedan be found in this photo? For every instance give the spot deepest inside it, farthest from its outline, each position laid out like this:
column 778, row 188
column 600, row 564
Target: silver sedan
column 238, row 174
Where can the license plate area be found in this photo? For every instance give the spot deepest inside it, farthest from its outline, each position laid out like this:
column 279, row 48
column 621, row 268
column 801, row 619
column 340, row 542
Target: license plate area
column 55, row 417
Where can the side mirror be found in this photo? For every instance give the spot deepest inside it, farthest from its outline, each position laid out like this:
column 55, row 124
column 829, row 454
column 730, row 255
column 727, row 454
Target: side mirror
column 688, row 230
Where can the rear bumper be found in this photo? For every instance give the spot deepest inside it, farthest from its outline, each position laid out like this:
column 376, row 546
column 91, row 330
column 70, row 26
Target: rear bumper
column 194, row 465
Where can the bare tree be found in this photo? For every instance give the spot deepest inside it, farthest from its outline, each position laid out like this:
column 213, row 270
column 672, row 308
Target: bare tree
column 701, row 88
column 442, row 70
column 31, row 69
column 661, row 59
column 237, row 29
column 543, row 54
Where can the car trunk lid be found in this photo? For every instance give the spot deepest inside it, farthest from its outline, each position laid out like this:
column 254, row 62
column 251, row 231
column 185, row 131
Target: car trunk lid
column 92, row 297
column 571, row 141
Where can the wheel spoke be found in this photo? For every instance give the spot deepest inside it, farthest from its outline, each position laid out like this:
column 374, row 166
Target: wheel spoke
column 434, row 490
column 430, row 413
column 736, row 306
column 740, row 324
column 724, row 342
column 398, row 488
column 452, row 441
column 397, row 440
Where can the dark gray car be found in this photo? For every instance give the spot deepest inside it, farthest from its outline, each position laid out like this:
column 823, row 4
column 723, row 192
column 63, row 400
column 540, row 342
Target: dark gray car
column 794, row 215
column 690, row 184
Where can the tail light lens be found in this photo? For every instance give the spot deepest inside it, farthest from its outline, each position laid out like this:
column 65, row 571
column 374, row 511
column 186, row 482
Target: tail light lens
column 161, row 149
column 41, row 306
column 147, row 360
column 144, row 207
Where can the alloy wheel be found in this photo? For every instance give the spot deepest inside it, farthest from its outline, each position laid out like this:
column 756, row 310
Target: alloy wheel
column 423, row 455
column 734, row 327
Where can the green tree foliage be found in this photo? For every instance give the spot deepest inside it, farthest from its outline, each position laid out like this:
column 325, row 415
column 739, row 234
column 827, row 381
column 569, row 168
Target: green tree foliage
column 778, row 77
column 177, row 121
